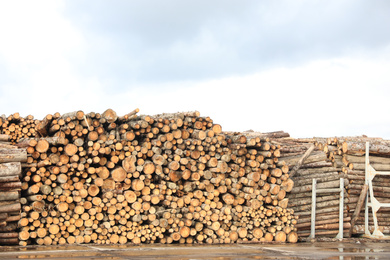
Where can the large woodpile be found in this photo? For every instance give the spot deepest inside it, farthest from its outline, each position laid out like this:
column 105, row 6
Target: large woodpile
column 10, row 172
column 100, row 178
column 308, row 161
column 348, row 154
column 175, row 178
column 327, row 160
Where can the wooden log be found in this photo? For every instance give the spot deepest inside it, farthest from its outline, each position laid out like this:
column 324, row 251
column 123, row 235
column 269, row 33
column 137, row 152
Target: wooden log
column 129, row 115
column 362, row 159
column 324, row 178
column 119, row 174
column 13, row 155
column 360, row 186
column 358, row 208
column 322, row 232
column 10, row 207
column 323, row 185
column 264, row 136
column 110, row 116
column 8, row 235
column 329, row 210
column 292, row 237
column 9, row 241
column 9, row 178
column 297, row 201
column 320, row 164
column 360, row 229
column 42, row 126
column 10, row 185
column 359, row 148
column 319, row 176
column 376, row 166
column 313, row 157
column 301, row 161
column 10, row 169
column 306, row 223
column 310, row 171
column 10, row 227
column 319, row 205
column 4, row 138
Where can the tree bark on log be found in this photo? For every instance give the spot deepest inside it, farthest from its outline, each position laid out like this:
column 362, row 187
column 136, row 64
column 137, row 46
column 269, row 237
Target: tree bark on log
column 359, row 148
column 10, row 169
column 14, row 155
column 10, row 207
column 301, row 161
column 4, row 138
column 358, row 208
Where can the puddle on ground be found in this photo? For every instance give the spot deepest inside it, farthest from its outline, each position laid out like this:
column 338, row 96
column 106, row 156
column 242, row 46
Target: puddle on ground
column 316, row 250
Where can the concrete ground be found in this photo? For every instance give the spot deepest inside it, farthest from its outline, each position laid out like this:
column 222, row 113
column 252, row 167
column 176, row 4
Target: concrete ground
column 304, row 250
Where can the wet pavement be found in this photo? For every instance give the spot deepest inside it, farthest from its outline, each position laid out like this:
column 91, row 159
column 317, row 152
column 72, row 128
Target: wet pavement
column 305, row 250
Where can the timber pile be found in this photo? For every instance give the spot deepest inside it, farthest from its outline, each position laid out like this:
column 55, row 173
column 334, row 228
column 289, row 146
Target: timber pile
column 166, row 178
column 307, row 161
column 10, row 171
column 18, row 127
column 348, row 154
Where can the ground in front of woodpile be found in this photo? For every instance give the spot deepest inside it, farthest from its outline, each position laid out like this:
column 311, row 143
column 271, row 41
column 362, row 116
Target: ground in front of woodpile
column 320, row 249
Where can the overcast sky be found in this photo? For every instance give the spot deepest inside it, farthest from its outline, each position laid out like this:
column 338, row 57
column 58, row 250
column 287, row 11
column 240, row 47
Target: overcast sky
column 310, row 68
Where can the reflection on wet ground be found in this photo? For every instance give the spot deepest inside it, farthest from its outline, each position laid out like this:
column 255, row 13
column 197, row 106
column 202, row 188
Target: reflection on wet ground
column 307, row 250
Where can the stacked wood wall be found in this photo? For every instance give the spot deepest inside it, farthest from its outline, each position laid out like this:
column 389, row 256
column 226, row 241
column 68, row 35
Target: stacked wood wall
column 178, row 178
column 328, row 160
column 100, row 178
column 307, row 162
column 348, row 154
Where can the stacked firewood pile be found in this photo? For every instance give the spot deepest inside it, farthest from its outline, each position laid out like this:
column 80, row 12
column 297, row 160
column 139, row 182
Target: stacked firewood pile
column 348, row 154
column 17, row 127
column 307, row 161
column 177, row 177
column 166, row 178
column 10, row 171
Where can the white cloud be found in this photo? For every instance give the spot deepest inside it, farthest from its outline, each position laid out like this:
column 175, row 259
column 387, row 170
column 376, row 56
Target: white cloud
column 38, row 46
column 333, row 97
column 35, row 33
column 52, row 64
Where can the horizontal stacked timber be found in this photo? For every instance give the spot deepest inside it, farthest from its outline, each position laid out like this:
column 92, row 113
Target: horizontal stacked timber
column 176, row 178
column 168, row 178
column 308, row 161
column 10, row 186
column 348, row 154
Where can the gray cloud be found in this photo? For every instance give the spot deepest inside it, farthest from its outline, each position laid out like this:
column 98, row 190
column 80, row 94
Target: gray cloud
column 159, row 41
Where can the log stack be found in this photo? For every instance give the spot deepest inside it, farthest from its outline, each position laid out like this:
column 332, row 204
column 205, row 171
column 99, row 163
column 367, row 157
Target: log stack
column 168, row 178
column 348, row 154
column 10, row 206
column 307, row 161
column 17, row 127
column 175, row 178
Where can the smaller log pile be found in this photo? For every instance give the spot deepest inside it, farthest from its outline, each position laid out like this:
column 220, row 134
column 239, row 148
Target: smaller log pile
column 169, row 178
column 10, row 171
column 18, row 127
column 308, row 161
column 348, row 154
